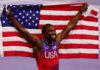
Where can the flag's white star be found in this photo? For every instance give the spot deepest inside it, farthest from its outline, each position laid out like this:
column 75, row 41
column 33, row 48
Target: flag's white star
column 3, row 21
column 27, row 14
column 20, row 13
column 37, row 12
column 30, row 11
column 37, row 18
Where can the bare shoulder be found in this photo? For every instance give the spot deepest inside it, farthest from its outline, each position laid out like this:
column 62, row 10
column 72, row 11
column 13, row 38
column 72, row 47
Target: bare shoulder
column 37, row 42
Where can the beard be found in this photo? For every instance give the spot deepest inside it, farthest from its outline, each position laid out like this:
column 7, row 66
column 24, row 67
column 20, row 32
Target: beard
column 50, row 37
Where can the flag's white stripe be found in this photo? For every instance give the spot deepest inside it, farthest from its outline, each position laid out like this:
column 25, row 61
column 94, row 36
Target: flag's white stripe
column 61, row 22
column 17, row 48
column 38, row 31
column 54, row 22
column 69, row 51
column 65, row 41
column 9, row 29
column 14, row 38
column 59, row 13
column 79, row 41
column 86, row 32
column 94, row 51
column 73, row 51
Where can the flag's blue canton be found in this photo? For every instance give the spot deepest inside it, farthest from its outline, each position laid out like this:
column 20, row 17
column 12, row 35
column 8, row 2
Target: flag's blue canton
column 27, row 15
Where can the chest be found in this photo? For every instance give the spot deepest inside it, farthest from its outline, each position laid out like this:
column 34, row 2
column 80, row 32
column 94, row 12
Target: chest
column 50, row 53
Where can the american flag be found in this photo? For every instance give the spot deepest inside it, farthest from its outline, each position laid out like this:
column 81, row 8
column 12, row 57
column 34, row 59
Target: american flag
column 82, row 41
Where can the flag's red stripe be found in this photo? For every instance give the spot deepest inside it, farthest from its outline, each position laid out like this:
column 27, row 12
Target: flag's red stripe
column 86, row 55
column 94, row 12
column 70, row 36
column 62, row 8
column 90, row 18
column 54, row 17
column 69, row 55
column 60, row 27
column 56, row 7
column 16, row 43
column 8, row 34
column 88, row 27
column 62, row 5
column 72, row 46
column 11, row 34
column 18, row 53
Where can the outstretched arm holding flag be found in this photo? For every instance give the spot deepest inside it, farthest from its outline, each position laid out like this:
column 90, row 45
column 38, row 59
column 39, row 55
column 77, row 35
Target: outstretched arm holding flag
column 46, row 51
column 71, row 24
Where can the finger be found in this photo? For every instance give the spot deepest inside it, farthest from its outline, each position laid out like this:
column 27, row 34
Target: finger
column 6, row 8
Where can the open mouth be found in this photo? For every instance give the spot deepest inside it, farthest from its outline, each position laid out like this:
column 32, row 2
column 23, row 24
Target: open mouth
column 53, row 36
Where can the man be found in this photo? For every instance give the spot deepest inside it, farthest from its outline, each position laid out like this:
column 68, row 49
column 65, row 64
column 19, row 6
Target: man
column 46, row 50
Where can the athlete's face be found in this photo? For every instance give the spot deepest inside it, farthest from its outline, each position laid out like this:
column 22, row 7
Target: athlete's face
column 50, row 33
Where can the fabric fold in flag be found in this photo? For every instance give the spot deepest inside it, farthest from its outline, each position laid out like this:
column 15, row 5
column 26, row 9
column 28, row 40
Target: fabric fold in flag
column 82, row 41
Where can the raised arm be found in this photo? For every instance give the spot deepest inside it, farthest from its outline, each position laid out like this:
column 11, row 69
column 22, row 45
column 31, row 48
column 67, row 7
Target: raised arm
column 34, row 40
column 71, row 24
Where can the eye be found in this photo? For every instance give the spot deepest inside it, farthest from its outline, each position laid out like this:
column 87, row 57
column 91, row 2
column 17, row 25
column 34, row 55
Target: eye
column 51, row 30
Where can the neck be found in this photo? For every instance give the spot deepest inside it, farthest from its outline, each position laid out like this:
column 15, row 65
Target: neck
column 49, row 42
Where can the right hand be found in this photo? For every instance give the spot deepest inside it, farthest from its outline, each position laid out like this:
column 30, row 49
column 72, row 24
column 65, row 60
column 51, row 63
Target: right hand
column 8, row 11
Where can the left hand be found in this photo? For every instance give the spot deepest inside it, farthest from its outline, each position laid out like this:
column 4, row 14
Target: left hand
column 84, row 7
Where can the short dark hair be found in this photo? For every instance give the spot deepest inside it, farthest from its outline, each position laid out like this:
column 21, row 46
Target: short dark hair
column 44, row 27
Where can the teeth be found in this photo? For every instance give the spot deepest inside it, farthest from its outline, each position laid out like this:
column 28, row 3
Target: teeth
column 53, row 36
